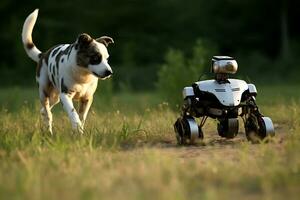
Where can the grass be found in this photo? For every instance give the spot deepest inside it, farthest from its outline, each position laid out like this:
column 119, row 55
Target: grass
column 129, row 152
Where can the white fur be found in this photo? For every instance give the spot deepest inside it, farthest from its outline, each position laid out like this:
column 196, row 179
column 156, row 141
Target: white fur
column 26, row 35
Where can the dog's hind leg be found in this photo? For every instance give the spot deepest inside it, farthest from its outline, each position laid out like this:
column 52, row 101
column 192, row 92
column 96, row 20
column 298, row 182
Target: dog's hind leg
column 54, row 99
column 48, row 101
column 45, row 91
column 84, row 108
column 46, row 112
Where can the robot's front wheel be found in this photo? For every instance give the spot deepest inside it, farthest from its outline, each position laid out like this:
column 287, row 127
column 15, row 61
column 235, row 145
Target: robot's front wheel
column 228, row 128
column 257, row 128
column 187, row 131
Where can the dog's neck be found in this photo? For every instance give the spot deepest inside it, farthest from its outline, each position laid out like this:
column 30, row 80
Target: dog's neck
column 81, row 75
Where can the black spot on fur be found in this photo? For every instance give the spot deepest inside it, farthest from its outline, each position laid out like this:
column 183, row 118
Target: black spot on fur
column 63, row 87
column 54, row 70
column 73, row 109
column 57, row 60
column 29, row 45
column 50, row 68
column 55, row 52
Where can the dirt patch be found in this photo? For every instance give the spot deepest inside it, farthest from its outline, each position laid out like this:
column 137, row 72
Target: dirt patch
column 213, row 146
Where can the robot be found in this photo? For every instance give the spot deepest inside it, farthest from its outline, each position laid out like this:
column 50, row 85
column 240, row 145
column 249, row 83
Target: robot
column 223, row 99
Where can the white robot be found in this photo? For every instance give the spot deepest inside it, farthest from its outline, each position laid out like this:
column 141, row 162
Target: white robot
column 223, row 99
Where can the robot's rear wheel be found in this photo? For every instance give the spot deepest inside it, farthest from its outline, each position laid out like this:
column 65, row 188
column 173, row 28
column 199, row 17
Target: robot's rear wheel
column 187, row 131
column 228, row 128
column 257, row 128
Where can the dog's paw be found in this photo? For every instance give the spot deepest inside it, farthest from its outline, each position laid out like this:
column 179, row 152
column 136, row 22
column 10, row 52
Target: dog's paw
column 50, row 131
column 78, row 128
column 45, row 128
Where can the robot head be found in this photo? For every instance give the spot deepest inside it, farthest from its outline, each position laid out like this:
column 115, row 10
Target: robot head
column 223, row 65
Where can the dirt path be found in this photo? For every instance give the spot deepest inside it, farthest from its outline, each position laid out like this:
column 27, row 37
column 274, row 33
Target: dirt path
column 214, row 146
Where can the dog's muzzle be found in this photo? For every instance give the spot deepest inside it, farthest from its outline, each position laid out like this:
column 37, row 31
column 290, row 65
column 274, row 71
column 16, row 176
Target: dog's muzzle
column 106, row 74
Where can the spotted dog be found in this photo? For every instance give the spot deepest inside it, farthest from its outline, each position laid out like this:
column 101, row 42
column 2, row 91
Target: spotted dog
column 68, row 72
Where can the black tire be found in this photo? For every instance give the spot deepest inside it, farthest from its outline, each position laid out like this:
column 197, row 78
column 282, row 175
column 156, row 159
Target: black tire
column 228, row 128
column 255, row 129
column 179, row 132
column 182, row 129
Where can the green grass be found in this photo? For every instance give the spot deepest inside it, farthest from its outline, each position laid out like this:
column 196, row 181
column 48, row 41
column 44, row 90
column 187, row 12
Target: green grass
column 129, row 152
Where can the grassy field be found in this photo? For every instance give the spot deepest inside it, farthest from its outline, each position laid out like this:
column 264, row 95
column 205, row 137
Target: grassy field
column 129, row 152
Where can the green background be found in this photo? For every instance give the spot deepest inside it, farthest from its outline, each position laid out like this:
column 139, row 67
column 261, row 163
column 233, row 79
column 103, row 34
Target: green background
column 262, row 35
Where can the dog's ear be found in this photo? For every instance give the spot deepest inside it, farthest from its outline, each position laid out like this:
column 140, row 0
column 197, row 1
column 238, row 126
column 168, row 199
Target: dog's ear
column 84, row 40
column 105, row 40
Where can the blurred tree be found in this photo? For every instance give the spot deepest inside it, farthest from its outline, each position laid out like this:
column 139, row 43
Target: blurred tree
column 284, row 31
column 180, row 71
column 145, row 30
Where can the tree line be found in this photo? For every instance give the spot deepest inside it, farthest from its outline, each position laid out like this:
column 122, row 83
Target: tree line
column 144, row 31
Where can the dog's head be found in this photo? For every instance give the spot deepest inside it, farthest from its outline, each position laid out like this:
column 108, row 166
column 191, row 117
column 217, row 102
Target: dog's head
column 92, row 55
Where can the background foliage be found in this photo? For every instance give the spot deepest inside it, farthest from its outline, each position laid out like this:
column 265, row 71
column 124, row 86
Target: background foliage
column 179, row 71
column 262, row 35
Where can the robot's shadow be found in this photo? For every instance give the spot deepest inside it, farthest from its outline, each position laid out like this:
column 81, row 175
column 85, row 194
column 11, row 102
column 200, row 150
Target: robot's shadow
column 212, row 140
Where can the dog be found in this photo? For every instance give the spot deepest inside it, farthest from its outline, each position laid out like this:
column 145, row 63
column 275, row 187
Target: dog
column 68, row 72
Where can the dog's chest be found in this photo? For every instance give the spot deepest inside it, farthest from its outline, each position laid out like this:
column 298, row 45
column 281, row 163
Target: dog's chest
column 84, row 90
column 71, row 85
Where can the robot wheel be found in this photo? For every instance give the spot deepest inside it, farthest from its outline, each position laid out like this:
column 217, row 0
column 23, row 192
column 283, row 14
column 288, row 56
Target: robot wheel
column 228, row 127
column 187, row 131
column 257, row 128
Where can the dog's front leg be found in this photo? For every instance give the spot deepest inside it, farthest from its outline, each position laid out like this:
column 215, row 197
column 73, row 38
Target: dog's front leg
column 69, row 108
column 85, row 105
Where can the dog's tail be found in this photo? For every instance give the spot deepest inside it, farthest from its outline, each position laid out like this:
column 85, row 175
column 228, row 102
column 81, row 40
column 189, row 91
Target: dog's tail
column 32, row 51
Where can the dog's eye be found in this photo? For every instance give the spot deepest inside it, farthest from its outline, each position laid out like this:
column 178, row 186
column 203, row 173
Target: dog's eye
column 96, row 59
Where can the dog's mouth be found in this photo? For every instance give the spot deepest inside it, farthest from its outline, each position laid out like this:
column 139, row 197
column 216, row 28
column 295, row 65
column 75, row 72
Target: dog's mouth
column 101, row 76
column 98, row 76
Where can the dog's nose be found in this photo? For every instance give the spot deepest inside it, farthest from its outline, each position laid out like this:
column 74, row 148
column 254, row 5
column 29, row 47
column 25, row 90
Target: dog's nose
column 108, row 73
